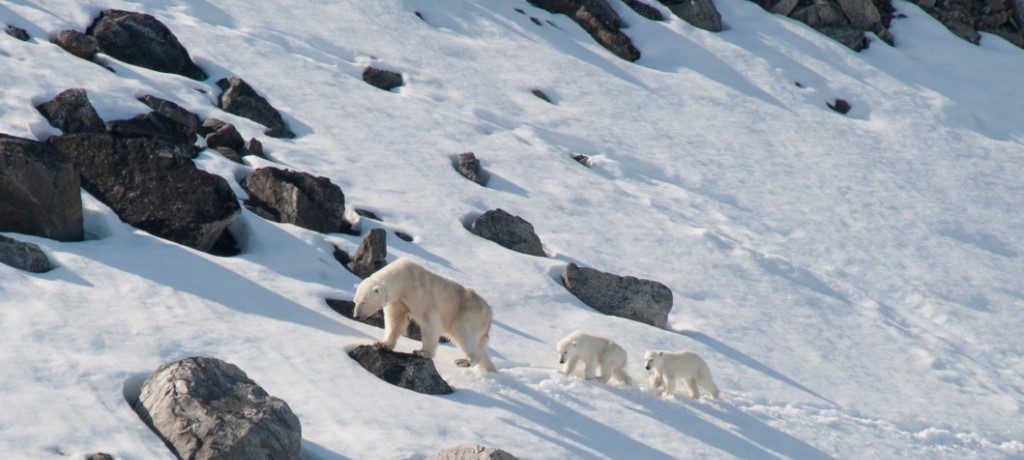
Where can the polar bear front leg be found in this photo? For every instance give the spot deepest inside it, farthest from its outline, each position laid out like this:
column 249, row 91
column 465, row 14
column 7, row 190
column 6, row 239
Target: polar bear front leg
column 591, row 371
column 396, row 321
column 570, row 365
column 670, row 386
column 430, row 332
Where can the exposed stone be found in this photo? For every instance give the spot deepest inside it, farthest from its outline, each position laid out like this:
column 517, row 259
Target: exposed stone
column 23, row 256
column 783, row 7
column 966, row 18
column 845, row 21
column 99, row 456
column 230, row 153
column 152, row 187
column 39, row 191
column 142, row 40
column 383, row 79
column 205, row 408
column 582, row 159
column 403, row 236
column 840, row 105
column 346, row 307
column 173, row 112
column 241, row 99
column 849, row 37
column 401, row 369
column 699, row 13
column 645, row 10
column 861, row 13
column 469, row 166
column 541, row 95
column 371, row 255
column 226, row 135
column 72, row 112
column 253, row 147
column 211, row 125
column 637, row 299
column 298, row 198
column 472, row 452
column 152, row 124
column 77, row 43
column 509, row 231
column 599, row 20
column 17, row 32
column 368, row 214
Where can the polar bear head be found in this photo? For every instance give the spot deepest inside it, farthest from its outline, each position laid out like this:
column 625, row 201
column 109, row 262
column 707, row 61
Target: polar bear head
column 653, row 359
column 371, row 296
column 568, row 345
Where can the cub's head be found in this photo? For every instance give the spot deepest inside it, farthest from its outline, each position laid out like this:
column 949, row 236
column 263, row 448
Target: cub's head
column 652, row 359
column 369, row 299
column 566, row 346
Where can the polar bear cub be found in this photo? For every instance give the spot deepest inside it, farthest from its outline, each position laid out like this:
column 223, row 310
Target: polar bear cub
column 405, row 290
column 595, row 352
column 669, row 366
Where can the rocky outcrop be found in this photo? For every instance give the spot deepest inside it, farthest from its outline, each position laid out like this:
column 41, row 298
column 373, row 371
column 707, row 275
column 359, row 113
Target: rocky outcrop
column 966, row 18
column 371, row 255
column 77, row 43
column 845, row 21
column 297, row 198
column 23, row 256
column 72, row 112
column 142, row 40
column 152, row 187
column 401, row 369
column 39, row 191
column 645, row 10
column 239, row 98
column 509, row 231
column 699, row 13
column 599, row 20
column 472, row 452
column 205, row 408
column 383, row 79
column 17, row 32
column 637, row 299
column 346, row 307
column 469, row 166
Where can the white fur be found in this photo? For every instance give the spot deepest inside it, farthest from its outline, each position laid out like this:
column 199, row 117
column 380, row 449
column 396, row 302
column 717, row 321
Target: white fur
column 595, row 352
column 668, row 366
column 405, row 290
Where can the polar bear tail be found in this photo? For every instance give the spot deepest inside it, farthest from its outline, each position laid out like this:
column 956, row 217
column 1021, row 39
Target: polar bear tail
column 704, row 377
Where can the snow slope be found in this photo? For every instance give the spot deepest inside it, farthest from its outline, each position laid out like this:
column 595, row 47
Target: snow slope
column 855, row 282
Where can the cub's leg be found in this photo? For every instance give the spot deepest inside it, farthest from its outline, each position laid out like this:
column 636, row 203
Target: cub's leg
column 396, row 321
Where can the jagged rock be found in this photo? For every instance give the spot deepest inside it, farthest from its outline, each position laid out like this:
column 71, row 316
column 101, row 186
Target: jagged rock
column 142, row 40
column 699, row 13
column 599, row 20
column 253, row 147
column 72, row 112
column 845, row 21
column 582, row 159
column 77, row 43
column 205, row 408
column 637, row 299
column 298, row 198
column 241, row 99
column 401, row 369
column 152, row 124
column 152, row 187
column 39, row 191
column 840, row 105
column 966, row 18
column 509, row 231
column 645, row 10
column 383, row 79
column 346, row 307
column 540, row 94
column 225, row 135
column 17, row 32
column 173, row 112
column 472, row 452
column 23, row 256
column 469, row 166
column 371, row 255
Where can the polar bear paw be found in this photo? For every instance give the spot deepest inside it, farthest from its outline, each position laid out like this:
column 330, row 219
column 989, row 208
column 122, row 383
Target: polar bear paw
column 462, row 362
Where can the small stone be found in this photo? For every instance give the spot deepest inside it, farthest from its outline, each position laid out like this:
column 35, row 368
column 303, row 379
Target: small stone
column 541, row 95
column 142, row 40
column 77, row 43
column 637, row 299
column 368, row 214
column 23, row 256
column 253, row 147
column 582, row 159
column 225, row 136
column 230, row 153
column 469, row 166
column 241, row 99
column 403, row 236
column 17, row 32
column 840, row 105
column 645, row 10
column 383, row 79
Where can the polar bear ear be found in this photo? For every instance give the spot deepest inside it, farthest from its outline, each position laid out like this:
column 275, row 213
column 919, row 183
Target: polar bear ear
column 574, row 343
column 661, row 353
column 376, row 289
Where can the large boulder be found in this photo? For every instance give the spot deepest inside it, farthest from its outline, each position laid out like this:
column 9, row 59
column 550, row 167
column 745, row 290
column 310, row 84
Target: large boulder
column 142, row 40
column 599, row 20
column 509, row 231
column 152, row 187
column 205, row 408
column 77, row 43
column 401, row 369
column 298, row 198
column 371, row 255
column 39, row 191
column 637, row 299
column 23, row 256
column 71, row 112
column 240, row 99
column 472, row 452
column 346, row 308
column 699, row 13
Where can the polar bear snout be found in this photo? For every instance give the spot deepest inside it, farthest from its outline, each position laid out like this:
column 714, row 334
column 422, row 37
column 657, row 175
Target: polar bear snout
column 561, row 358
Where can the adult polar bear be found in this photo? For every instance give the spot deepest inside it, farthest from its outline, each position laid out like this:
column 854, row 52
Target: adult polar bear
column 406, row 290
column 595, row 352
column 687, row 365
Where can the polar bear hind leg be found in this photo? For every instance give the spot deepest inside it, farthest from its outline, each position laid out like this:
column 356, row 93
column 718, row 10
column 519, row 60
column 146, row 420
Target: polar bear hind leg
column 704, row 377
column 691, row 384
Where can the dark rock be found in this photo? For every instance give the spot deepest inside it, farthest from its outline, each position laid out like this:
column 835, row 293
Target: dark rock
column 401, row 369
column 346, row 307
column 230, row 153
column 39, row 191
column 845, row 21
column 469, row 166
column 368, row 214
column 850, row 37
column 699, row 13
column 226, row 245
column 419, row 15
column 77, row 43
column 966, row 18
column 840, row 105
column 142, row 40
column 23, row 256
column 582, row 159
column 472, row 452
column 645, row 10
column 637, row 299
column 535, row 20
column 240, row 99
column 253, row 147
column 173, row 112
column 599, row 20
column 152, row 124
column 371, row 255
column 383, row 79
column 540, row 94
column 512, row 232
column 72, row 112
column 520, row 10
column 298, row 198
column 205, row 408
column 403, row 236
column 151, row 187
column 99, row 456
column 211, row 125
column 17, row 32
column 225, row 136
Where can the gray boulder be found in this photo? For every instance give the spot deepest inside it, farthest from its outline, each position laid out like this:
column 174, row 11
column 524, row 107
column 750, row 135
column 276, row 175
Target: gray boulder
column 509, row 231
column 699, row 13
column 23, row 256
column 205, row 408
column 71, row 112
column 599, row 20
column 77, row 43
column 401, row 369
column 297, row 198
column 142, row 40
column 371, row 255
column 17, row 32
column 646, row 301
column 469, row 166
column 383, row 79
column 240, row 99
column 472, row 452
column 40, row 192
